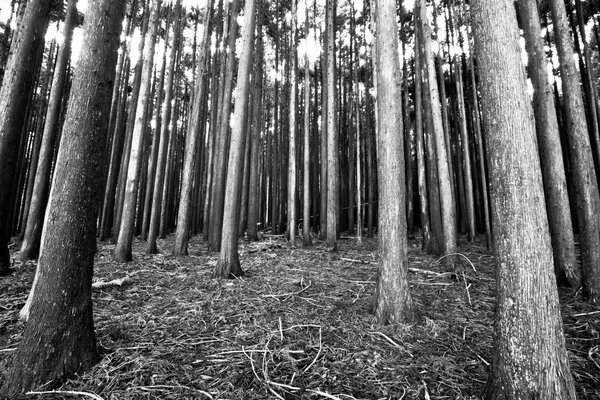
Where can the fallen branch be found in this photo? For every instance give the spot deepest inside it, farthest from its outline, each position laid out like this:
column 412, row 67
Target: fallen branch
column 68, row 393
column 115, row 282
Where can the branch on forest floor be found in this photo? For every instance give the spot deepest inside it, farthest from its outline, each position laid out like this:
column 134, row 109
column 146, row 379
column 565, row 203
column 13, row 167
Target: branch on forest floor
column 115, row 282
column 288, row 295
column 68, row 393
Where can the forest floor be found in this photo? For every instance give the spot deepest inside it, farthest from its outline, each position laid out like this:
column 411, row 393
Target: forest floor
column 296, row 325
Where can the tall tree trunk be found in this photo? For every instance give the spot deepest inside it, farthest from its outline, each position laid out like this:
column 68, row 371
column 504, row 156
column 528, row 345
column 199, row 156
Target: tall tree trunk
column 255, row 151
column 229, row 264
column 323, row 136
column 153, row 160
column 530, row 358
column 584, row 176
column 392, row 302
column 420, row 149
column 550, row 149
column 447, row 204
column 42, row 108
column 59, row 339
column 482, row 165
column 14, row 96
column 332, row 132
column 180, row 247
column 306, row 240
column 122, row 251
column 466, row 154
column 33, row 228
column 292, row 166
column 223, row 139
column 159, row 179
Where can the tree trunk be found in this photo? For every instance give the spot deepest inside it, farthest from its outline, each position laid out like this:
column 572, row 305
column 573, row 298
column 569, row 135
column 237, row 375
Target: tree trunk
column 332, row 132
column 530, row 358
column 447, row 204
column 59, row 339
column 223, row 139
column 584, row 177
column 392, row 301
column 292, row 166
column 159, row 178
column 306, row 239
column 14, row 96
column 180, row 247
column 229, row 264
column 550, row 149
column 255, row 151
column 33, row 228
column 122, row 251
column 420, row 149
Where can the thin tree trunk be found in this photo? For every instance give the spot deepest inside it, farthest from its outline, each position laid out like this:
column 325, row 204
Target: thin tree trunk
column 223, row 139
column 229, row 265
column 122, row 251
column 306, row 239
column 255, row 151
column 292, row 166
column 447, row 205
column 332, row 133
column 182, row 233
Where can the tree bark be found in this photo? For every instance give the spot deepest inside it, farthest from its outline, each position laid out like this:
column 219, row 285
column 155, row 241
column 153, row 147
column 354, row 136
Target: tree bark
column 332, row 132
column 59, row 339
column 292, row 166
column 306, row 239
column 180, row 247
column 255, row 151
column 530, row 358
column 584, row 178
column 550, row 149
column 33, row 228
column 447, row 204
column 228, row 265
column 14, row 96
column 223, row 138
column 392, row 301
column 122, row 251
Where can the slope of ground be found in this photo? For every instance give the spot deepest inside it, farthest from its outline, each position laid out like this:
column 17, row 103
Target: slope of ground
column 296, row 325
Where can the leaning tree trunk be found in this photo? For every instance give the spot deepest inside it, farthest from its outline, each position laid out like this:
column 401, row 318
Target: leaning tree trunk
column 585, row 184
column 59, row 339
column 229, row 263
column 530, row 359
column 392, row 301
column 33, row 229
column 553, row 169
column 14, row 96
column 122, row 251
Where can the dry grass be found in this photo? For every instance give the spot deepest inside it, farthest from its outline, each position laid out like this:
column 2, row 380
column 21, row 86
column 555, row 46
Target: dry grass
column 297, row 325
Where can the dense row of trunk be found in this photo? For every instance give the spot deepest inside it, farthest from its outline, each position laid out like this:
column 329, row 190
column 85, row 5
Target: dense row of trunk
column 357, row 143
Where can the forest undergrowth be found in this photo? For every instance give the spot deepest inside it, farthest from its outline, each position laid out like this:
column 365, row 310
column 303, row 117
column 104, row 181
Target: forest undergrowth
column 296, row 325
